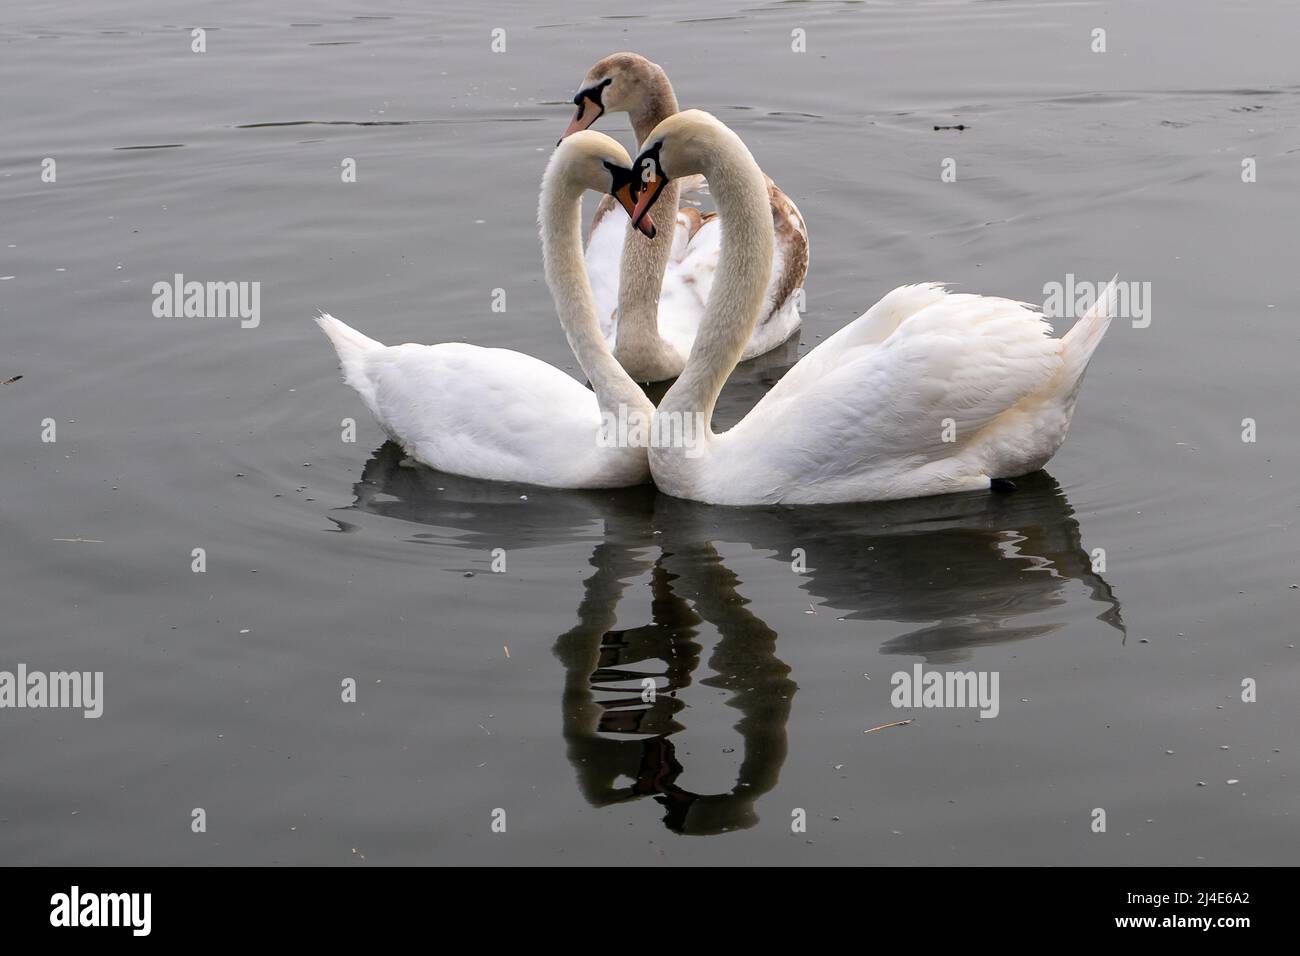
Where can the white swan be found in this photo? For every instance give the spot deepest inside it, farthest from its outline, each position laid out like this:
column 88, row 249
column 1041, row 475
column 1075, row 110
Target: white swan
column 661, row 285
column 928, row 392
column 502, row 415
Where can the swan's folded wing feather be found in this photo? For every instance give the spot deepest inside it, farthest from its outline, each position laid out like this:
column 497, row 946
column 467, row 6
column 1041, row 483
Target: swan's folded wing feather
column 947, row 371
column 869, row 329
column 489, row 413
column 790, row 259
column 687, row 279
column 603, row 254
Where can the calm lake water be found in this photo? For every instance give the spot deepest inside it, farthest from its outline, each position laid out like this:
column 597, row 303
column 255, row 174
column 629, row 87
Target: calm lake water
column 519, row 691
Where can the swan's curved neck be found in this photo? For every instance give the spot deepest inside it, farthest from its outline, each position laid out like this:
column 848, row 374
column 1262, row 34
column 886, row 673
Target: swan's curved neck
column 640, row 280
column 744, row 269
column 566, row 275
column 658, row 103
column 644, row 261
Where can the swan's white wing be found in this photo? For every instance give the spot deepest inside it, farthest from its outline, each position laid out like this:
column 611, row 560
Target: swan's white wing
column 692, row 265
column 688, row 280
column 873, row 418
column 681, row 302
column 870, row 328
column 604, row 251
column 489, row 413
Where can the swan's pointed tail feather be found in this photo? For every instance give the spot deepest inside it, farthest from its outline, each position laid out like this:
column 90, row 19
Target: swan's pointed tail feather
column 353, row 348
column 1082, row 340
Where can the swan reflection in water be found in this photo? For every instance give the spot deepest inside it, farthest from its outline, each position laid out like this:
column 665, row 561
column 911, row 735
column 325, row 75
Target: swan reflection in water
column 962, row 571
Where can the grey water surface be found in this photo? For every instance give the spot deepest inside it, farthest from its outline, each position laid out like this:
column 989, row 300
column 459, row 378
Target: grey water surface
column 1120, row 689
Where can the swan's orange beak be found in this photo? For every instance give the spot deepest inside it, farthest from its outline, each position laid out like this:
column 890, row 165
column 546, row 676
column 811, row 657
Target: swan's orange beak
column 627, row 199
column 588, row 112
column 652, row 184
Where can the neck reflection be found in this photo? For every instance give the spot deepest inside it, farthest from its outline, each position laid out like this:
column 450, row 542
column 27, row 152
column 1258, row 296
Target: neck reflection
column 614, row 728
